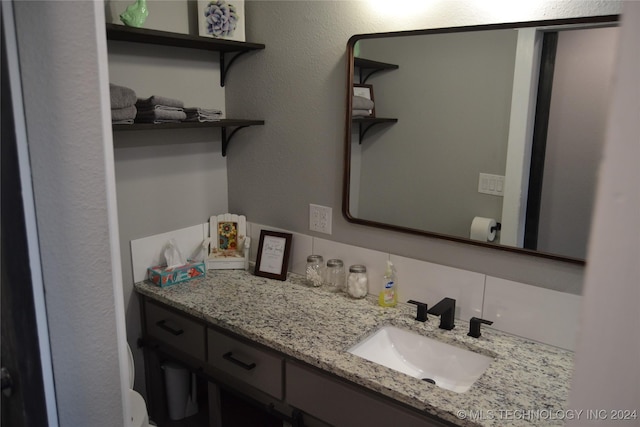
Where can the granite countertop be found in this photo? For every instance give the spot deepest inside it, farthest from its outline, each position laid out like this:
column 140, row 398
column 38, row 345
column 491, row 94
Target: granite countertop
column 526, row 384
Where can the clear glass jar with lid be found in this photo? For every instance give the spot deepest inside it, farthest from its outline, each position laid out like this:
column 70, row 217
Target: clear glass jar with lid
column 357, row 282
column 315, row 270
column 335, row 275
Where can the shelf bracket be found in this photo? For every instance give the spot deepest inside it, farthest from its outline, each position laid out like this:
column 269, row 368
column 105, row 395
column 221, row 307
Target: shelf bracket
column 227, row 139
column 224, row 67
column 364, row 79
column 364, row 130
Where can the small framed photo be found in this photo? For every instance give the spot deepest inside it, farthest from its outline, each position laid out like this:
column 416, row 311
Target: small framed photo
column 272, row 260
column 364, row 91
column 221, row 19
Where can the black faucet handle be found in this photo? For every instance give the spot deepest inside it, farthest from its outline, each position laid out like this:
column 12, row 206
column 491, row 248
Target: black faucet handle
column 474, row 326
column 446, row 309
column 421, row 315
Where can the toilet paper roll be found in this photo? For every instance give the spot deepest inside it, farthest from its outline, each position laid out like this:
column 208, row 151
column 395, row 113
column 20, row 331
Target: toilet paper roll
column 483, row 229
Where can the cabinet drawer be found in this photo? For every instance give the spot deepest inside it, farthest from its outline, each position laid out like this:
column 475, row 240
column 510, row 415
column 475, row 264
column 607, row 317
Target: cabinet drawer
column 175, row 330
column 343, row 405
column 256, row 367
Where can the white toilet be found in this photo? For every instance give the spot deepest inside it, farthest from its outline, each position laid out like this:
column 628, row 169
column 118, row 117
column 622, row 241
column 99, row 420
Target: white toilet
column 139, row 416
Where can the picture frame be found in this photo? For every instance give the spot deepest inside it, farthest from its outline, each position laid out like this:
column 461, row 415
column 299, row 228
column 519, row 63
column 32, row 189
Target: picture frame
column 272, row 260
column 210, row 26
column 228, row 243
column 366, row 91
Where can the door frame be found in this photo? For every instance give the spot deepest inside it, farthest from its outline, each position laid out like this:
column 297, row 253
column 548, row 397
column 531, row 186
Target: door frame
column 23, row 261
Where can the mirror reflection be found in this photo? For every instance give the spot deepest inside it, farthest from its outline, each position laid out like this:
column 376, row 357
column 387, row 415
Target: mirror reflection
column 499, row 122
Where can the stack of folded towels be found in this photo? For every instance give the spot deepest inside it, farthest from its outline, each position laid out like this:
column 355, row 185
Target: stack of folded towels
column 123, row 100
column 361, row 106
column 159, row 109
column 196, row 114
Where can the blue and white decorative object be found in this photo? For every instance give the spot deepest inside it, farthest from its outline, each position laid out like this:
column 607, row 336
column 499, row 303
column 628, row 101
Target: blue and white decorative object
column 221, row 19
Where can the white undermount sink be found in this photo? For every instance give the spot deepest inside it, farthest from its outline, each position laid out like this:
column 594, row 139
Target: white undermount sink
column 450, row 367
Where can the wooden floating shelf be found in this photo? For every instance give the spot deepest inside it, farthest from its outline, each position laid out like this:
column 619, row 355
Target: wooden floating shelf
column 163, row 38
column 223, row 124
column 181, row 125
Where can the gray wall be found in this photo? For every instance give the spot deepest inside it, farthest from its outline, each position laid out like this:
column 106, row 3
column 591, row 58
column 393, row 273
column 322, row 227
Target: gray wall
column 452, row 97
column 298, row 85
column 575, row 137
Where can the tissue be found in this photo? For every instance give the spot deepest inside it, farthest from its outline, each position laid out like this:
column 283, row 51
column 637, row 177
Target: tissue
column 173, row 255
column 177, row 268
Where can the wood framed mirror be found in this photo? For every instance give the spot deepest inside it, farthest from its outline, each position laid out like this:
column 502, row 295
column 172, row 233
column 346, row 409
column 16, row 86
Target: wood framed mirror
column 502, row 121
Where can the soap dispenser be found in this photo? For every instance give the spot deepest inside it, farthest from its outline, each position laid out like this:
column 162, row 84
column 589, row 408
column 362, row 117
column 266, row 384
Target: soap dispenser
column 389, row 294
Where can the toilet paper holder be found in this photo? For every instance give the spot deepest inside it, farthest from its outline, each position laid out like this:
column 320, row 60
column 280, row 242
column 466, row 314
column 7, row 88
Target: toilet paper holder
column 484, row 229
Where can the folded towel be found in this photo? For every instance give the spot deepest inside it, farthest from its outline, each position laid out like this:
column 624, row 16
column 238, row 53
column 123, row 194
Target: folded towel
column 121, row 96
column 160, row 116
column 147, row 109
column 360, row 113
column 158, row 100
column 122, row 122
column 126, row 113
column 203, row 119
column 202, row 111
column 195, row 114
column 362, row 103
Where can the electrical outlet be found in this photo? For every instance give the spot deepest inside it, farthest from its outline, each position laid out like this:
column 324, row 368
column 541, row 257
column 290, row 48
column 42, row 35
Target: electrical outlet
column 320, row 218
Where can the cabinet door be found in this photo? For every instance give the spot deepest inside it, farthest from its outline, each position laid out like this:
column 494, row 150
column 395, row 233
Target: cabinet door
column 254, row 366
column 342, row 404
column 175, row 330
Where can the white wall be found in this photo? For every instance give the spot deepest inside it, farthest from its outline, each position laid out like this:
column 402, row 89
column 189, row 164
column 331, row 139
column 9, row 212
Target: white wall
column 607, row 376
column 298, row 85
column 539, row 314
column 531, row 312
column 72, row 173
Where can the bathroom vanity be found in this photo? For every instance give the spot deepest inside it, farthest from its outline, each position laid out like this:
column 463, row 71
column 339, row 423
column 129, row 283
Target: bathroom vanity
column 285, row 345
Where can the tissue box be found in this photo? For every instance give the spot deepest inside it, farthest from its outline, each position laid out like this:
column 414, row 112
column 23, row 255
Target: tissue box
column 163, row 276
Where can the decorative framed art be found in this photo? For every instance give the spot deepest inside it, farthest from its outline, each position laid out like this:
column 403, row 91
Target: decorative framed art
column 228, row 242
column 272, row 259
column 221, row 19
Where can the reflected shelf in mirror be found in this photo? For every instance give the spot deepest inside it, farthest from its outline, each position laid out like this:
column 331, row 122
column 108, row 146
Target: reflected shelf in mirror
column 373, row 67
column 365, row 123
column 449, row 94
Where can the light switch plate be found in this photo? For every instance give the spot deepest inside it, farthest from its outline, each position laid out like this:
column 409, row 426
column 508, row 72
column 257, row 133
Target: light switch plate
column 320, row 218
column 491, row 184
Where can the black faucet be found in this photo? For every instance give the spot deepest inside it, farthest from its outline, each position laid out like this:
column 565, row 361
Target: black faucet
column 446, row 309
column 474, row 326
column 421, row 316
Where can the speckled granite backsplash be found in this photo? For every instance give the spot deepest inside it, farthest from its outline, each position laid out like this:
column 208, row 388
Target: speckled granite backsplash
column 526, row 384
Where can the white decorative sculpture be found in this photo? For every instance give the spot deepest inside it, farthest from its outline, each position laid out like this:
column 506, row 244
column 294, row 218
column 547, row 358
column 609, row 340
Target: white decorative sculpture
column 228, row 243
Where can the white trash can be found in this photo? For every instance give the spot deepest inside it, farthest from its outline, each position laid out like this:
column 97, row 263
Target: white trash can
column 181, row 391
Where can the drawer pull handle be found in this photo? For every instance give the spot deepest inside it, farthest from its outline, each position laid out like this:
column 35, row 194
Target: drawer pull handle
column 162, row 324
column 229, row 356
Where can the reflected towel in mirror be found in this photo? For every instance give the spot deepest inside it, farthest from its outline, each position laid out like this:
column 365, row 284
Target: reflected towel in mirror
column 361, row 103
